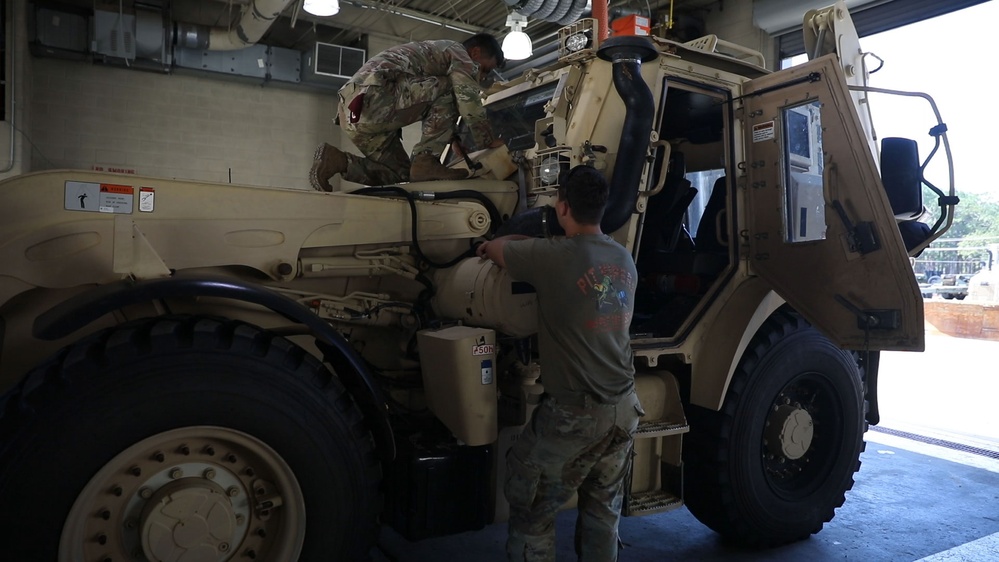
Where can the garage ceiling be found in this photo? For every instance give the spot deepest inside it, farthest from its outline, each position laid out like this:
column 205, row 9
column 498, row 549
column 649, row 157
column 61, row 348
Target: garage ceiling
column 406, row 20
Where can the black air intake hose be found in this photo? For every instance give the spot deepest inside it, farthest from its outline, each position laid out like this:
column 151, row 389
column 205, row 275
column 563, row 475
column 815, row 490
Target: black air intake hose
column 536, row 222
column 627, row 53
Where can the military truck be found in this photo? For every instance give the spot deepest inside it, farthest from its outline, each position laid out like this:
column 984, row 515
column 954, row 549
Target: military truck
column 226, row 372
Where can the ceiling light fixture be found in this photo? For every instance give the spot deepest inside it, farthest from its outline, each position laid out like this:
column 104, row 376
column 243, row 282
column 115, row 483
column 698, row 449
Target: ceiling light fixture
column 322, row 7
column 517, row 44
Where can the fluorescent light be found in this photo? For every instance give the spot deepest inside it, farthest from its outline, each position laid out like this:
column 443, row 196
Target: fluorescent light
column 517, row 45
column 322, row 7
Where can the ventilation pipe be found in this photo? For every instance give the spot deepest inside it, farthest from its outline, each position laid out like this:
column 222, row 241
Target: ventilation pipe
column 255, row 19
column 561, row 12
column 626, row 53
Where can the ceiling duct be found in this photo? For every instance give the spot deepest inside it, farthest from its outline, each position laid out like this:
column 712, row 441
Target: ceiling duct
column 251, row 24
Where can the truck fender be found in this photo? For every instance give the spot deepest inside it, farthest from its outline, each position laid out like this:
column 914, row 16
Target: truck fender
column 722, row 346
column 82, row 309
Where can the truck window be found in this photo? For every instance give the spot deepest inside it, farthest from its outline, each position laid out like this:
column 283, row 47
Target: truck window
column 703, row 182
column 513, row 118
column 804, row 215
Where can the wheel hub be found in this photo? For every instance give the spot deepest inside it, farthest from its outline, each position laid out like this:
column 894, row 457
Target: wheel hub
column 194, row 494
column 190, row 519
column 789, row 431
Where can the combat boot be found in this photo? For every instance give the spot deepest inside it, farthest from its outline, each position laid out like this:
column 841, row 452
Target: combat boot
column 427, row 167
column 330, row 161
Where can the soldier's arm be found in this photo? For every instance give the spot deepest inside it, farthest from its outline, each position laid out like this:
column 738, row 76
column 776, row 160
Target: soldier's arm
column 493, row 249
column 467, row 95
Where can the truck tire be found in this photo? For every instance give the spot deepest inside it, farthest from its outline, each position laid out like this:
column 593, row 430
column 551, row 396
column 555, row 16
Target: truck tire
column 187, row 435
column 755, row 471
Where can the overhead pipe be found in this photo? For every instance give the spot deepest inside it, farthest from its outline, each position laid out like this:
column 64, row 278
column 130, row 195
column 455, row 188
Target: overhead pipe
column 626, row 53
column 600, row 8
column 254, row 20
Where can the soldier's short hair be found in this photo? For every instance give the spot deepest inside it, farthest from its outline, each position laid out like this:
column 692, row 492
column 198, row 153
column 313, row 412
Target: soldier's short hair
column 487, row 44
column 586, row 190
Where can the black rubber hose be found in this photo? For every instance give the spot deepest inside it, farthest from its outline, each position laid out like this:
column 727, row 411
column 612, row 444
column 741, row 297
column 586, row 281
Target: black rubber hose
column 631, row 152
column 494, row 214
column 394, row 190
column 536, row 222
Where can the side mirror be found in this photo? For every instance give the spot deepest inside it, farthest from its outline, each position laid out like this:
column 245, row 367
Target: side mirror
column 902, row 177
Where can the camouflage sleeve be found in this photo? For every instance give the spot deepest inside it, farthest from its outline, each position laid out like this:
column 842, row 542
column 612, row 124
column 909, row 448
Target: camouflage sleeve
column 467, row 94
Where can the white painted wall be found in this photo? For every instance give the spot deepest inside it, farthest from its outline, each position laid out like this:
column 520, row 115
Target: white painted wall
column 197, row 127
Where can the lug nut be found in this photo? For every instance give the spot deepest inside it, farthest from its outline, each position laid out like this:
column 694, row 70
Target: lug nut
column 176, row 473
column 159, row 456
column 209, row 473
column 146, row 493
column 233, row 491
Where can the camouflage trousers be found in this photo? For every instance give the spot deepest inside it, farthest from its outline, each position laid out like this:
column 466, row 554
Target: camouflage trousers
column 582, row 448
column 376, row 129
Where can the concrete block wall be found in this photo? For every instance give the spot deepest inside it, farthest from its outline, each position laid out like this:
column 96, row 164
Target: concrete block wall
column 733, row 21
column 197, row 127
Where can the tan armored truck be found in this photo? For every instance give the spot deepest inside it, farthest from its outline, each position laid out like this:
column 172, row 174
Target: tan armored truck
column 229, row 372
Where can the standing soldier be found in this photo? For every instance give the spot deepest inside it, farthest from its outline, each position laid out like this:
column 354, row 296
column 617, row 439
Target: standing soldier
column 579, row 438
column 429, row 81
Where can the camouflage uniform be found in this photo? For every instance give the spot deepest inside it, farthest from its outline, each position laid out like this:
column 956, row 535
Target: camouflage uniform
column 429, row 81
column 579, row 439
column 582, row 448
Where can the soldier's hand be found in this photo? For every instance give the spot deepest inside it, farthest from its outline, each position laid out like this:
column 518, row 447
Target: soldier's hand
column 480, row 250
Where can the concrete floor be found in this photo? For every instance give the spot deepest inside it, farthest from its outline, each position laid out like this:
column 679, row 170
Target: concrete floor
column 911, row 501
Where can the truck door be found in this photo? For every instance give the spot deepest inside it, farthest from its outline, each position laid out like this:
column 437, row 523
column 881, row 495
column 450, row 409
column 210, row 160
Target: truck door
column 821, row 230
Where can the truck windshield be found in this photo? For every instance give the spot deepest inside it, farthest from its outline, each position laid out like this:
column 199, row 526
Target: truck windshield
column 513, row 118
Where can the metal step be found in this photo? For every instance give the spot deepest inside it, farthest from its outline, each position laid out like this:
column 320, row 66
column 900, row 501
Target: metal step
column 647, row 503
column 659, row 429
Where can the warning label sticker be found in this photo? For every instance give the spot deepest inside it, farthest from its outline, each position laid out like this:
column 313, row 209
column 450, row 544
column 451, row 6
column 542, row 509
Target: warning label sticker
column 147, row 199
column 99, row 197
column 483, row 349
column 763, row 131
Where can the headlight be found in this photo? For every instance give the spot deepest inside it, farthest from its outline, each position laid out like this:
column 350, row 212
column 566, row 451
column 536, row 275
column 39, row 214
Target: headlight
column 549, row 170
column 576, row 42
